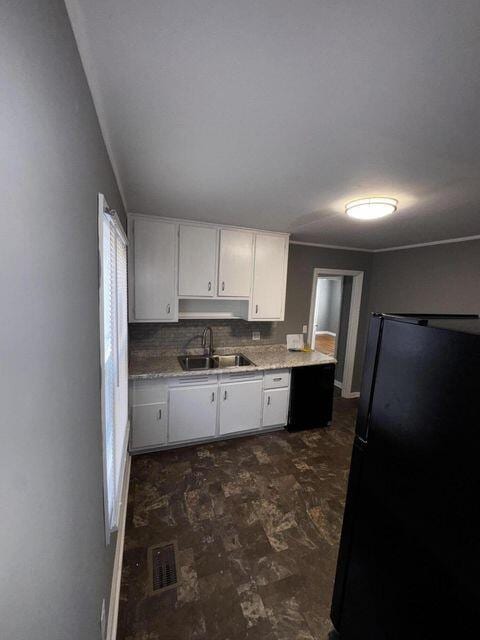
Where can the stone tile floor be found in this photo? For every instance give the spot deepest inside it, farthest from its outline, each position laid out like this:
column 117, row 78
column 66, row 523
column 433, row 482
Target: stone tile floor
column 257, row 523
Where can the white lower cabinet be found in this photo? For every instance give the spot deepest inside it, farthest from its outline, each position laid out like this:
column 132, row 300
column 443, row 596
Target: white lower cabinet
column 169, row 412
column 192, row 412
column 149, row 425
column 275, row 407
column 240, row 405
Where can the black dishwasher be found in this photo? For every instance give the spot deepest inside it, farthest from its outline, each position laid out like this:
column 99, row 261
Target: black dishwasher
column 311, row 397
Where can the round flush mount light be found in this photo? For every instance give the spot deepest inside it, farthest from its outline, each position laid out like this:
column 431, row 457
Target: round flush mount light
column 371, row 208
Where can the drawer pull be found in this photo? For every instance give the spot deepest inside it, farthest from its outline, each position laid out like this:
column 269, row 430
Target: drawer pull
column 269, row 400
column 223, row 286
column 277, row 379
column 225, row 394
column 159, row 414
column 209, row 286
column 213, row 396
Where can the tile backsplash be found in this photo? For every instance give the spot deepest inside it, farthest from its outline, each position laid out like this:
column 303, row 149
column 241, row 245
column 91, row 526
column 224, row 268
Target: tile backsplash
column 186, row 335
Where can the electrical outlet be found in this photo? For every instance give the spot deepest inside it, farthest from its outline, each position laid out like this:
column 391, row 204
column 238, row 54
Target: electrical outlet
column 305, row 328
column 255, row 335
column 103, row 621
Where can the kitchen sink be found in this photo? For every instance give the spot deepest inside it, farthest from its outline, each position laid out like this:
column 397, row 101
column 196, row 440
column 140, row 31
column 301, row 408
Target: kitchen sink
column 193, row 363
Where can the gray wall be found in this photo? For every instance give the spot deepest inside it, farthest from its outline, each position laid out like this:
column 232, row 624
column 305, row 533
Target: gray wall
column 302, row 260
column 436, row 279
column 55, row 566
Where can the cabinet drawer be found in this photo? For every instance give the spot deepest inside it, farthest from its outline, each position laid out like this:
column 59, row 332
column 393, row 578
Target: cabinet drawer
column 149, row 425
column 192, row 380
column 148, row 391
column 274, row 379
column 239, row 376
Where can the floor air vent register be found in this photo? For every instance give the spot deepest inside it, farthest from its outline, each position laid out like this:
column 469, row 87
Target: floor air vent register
column 162, row 567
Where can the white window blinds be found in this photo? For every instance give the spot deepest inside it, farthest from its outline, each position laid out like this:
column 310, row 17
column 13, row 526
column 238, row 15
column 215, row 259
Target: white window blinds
column 114, row 358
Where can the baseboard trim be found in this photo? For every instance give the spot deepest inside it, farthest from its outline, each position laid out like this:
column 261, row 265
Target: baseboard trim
column 352, row 394
column 325, row 333
column 117, row 565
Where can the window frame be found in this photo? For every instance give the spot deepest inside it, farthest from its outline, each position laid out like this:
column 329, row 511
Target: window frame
column 111, row 517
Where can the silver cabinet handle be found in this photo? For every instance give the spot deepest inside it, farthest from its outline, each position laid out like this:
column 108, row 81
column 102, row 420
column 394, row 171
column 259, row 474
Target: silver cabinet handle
column 256, row 308
column 209, row 286
column 213, row 396
column 276, row 379
column 223, row 286
column 225, row 394
column 159, row 414
column 168, row 308
column 269, row 400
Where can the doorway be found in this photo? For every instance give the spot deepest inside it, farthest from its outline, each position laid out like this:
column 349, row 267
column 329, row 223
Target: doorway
column 328, row 307
column 334, row 316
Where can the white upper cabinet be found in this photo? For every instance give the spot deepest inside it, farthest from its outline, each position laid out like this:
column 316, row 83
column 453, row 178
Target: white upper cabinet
column 270, row 277
column 235, row 263
column 215, row 271
column 152, row 269
column 197, row 261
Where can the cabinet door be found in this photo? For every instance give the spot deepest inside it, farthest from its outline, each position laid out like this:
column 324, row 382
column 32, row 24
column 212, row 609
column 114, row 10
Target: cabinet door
column 154, row 256
column 240, row 406
column 197, row 261
column 149, row 425
column 235, row 263
column 275, row 407
column 192, row 412
column 269, row 277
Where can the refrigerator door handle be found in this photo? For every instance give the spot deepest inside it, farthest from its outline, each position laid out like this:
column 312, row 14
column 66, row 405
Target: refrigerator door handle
column 360, row 443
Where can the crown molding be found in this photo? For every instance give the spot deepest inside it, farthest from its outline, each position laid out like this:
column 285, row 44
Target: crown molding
column 428, row 244
column 387, row 249
column 330, row 246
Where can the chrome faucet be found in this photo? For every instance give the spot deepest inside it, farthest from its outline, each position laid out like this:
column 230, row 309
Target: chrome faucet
column 204, row 340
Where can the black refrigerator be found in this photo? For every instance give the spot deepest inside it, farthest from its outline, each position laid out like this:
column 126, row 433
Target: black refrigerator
column 409, row 558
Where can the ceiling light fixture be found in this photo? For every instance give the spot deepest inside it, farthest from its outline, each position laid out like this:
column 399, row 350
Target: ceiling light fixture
column 371, row 208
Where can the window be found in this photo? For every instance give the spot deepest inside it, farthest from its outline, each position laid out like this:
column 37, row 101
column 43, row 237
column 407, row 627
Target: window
column 114, row 357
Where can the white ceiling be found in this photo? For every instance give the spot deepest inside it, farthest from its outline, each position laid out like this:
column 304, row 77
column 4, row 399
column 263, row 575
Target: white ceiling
column 274, row 113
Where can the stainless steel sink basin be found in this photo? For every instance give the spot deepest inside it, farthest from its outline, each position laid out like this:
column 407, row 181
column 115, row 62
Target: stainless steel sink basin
column 189, row 363
column 192, row 363
column 233, row 360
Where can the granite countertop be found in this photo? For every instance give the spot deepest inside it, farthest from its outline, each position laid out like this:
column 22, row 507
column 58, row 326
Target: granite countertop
column 150, row 364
